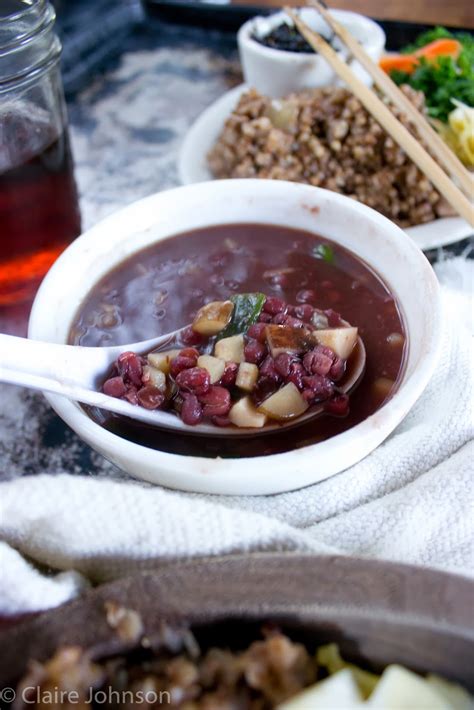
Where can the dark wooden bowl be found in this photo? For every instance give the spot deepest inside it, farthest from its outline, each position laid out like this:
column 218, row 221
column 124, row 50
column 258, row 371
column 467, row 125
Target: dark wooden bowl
column 378, row 612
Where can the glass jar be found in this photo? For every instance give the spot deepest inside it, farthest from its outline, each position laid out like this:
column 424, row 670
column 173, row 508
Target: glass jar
column 39, row 213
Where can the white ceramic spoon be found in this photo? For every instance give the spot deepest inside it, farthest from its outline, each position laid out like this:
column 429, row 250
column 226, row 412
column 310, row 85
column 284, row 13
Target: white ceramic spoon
column 77, row 373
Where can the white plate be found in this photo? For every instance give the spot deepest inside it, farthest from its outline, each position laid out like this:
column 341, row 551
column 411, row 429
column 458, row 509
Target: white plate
column 204, row 132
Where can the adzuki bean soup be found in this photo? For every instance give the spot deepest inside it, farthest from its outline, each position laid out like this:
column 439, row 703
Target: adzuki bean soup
column 161, row 288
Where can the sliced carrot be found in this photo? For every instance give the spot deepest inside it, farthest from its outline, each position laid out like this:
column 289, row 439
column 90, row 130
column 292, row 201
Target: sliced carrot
column 440, row 48
column 400, row 62
column 408, row 62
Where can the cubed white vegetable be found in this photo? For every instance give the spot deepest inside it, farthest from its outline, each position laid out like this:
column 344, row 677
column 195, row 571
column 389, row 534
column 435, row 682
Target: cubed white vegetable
column 213, row 317
column 338, row 691
column 230, row 349
column 155, row 377
column 452, row 692
column 340, row 340
column 287, row 403
column 214, row 365
column 244, row 414
column 400, row 688
column 247, row 376
column 162, row 360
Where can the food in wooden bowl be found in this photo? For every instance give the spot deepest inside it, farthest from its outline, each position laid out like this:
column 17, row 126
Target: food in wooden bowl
column 256, row 632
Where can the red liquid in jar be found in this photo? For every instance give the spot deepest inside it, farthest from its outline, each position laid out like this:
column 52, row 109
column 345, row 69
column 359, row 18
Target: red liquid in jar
column 39, row 217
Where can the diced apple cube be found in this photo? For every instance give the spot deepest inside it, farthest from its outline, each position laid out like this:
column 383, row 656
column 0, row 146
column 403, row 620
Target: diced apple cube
column 155, row 377
column 244, row 414
column 162, row 360
column 213, row 317
column 401, row 688
column 287, row 403
column 340, row 340
column 338, row 691
column 284, row 339
column 213, row 365
column 230, row 349
column 247, row 376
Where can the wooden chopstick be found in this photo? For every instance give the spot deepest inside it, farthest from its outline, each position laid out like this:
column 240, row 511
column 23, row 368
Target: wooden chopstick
column 387, row 120
column 436, row 144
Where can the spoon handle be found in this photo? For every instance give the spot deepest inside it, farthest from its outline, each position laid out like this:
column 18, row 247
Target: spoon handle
column 71, row 371
column 51, row 366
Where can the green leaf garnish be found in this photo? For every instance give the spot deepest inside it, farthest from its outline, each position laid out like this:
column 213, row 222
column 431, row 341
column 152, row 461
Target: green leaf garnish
column 324, row 252
column 247, row 308
column 444, row 79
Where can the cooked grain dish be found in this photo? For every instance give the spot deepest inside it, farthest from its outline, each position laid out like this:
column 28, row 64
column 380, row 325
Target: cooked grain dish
column 325, row 137
column 274, row 672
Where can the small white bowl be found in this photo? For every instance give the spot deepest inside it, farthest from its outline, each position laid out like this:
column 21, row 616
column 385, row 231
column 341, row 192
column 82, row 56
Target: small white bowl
column 277, row 73
column 373, row 238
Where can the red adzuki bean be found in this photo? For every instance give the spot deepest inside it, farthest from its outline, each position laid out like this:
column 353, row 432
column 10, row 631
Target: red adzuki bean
column 191, row 409
column 257, row 331
column 216, row 401
column 196, row 380
column 184, row 361
column 321, row 386
column 337, row 370
column 308, row 395
column 221, row 421
column 297, row 372
column 190, row 337
column 339, row 405
column 189, row 352
column 114, row 387
column 129, row 366
column 254, row 352
column 131, row 395
column 274, row 305
column 317, row 362
column 304, row 312
column 294, row 322
column 267, row 369
column 230, row 374
column 334, row 319
column 150, row 397
column 283, row 363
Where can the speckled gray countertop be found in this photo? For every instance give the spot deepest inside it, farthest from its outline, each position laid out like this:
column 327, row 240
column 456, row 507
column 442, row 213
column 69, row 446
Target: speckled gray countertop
column 126, row 126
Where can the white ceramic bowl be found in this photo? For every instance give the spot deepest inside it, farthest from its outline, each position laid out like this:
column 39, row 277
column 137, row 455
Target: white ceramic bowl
column 369, row 235
column 277, row 73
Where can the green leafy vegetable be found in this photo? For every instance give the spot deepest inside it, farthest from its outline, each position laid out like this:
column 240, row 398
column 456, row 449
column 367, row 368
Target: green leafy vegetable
column 444, row 79
column 247, row 308
column 325, row 252
column 437, row 33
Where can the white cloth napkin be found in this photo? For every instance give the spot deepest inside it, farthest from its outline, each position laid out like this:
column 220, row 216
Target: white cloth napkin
column 411, row 500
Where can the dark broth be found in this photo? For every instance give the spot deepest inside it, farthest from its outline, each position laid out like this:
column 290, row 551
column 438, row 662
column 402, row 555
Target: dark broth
column 160, row 289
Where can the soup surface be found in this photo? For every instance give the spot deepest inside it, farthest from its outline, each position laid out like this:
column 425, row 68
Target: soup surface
column 161, row 288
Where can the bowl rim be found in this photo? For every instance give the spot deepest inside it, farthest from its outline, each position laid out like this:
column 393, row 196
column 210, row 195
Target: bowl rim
column 246, row 41
column 387, row 594
column 216, row 475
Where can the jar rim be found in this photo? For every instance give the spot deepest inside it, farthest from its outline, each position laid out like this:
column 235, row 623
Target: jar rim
column 15, row 16
column 45, row 19
column 30, row 48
